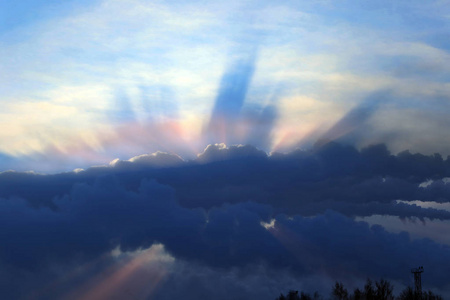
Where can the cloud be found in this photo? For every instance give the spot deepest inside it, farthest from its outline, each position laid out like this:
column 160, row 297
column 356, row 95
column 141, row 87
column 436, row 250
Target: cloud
column 209, row 214
column 170, row 63
column 99, row 219
column 300, row 182
column 257, row 281
column 220, row 152
column 118, row 79
column 155, row 160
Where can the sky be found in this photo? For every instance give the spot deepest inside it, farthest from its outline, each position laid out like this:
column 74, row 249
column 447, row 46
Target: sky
column 239, row 148
column 85, row 82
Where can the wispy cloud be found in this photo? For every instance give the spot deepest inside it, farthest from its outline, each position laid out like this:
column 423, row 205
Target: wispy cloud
column 170, row 60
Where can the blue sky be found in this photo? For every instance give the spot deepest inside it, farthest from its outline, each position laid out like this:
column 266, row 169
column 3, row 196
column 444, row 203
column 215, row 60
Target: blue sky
column 81, row 80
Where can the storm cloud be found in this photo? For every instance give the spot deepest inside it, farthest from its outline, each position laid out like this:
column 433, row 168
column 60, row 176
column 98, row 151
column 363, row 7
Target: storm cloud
column 93, row 220
column 232, row 208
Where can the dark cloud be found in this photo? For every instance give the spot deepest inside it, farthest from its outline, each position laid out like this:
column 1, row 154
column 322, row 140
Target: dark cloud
column 289, row 182
column 94, row 219
column 210, row 212
column 251, row 282
column 401, row 210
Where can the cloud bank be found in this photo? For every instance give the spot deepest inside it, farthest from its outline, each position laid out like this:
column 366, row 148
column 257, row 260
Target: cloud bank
column 233, row 210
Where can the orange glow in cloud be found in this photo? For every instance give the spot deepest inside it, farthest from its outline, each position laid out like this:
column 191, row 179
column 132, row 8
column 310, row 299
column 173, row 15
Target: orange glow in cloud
column 283, row 141
column 170, row 136
column 218, row 130
column 130, row 139
column 135, row 278
column 244, row 127
column 290, row 138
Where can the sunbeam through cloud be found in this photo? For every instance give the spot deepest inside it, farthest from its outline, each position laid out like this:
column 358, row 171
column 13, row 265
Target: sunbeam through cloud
column 224, row 149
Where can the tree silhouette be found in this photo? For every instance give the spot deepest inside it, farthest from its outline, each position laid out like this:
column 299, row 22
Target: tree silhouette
column 339, row 292
column 357, row 294
column 369, row 292
column 430, row 296
column 382, row 290
column 293, row 295
column 409, row 294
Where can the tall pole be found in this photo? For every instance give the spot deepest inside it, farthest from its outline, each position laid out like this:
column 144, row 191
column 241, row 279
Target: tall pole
column 418, row 281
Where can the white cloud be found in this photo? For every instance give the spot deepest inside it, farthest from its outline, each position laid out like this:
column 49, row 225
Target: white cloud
column 76, row 65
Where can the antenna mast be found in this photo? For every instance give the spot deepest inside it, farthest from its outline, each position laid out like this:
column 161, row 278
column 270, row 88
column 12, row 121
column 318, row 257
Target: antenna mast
column 418, row 280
